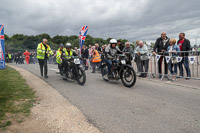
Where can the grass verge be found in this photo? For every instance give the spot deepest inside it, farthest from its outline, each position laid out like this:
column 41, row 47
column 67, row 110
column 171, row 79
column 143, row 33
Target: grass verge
column 16, row 98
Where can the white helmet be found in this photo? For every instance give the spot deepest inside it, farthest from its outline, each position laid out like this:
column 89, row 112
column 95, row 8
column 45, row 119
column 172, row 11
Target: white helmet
column 68, row 45
column 113, row 41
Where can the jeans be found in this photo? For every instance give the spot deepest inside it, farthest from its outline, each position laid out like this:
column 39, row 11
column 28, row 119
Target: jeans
column 144, row 66
column 109, row 62
column 171, row 66
column 43, row 64
column 186, row 65
column 160, row 65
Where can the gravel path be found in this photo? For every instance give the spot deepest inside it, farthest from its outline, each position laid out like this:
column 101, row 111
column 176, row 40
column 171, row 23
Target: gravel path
column 53, row 113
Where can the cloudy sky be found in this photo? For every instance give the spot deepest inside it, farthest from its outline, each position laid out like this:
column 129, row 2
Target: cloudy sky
column 130, row 19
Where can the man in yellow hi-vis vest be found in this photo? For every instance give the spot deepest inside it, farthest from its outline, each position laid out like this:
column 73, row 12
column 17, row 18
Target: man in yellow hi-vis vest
column 59, row 57
column 43, row 53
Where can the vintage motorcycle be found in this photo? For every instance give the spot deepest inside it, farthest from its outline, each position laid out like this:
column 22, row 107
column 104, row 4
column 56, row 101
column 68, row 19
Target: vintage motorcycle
column 120, row 70
column 75, row 71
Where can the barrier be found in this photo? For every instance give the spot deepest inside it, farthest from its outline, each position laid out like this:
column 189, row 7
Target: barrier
column 192, row 59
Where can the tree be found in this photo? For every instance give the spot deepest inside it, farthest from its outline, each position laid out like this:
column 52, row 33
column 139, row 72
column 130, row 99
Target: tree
column 89, row 40
column 44, row 35
column 6, row 37
column 60, row 39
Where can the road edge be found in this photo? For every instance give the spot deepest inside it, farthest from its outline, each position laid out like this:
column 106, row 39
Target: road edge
column 60, row 117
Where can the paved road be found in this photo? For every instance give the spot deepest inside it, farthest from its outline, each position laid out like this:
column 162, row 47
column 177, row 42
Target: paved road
column 148, row 107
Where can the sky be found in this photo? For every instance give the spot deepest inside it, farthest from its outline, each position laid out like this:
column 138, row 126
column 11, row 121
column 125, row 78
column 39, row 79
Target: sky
column 127, row 19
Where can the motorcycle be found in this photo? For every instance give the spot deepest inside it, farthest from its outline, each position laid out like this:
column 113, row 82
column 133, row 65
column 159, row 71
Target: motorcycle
column 75, row 70
column 119, row 70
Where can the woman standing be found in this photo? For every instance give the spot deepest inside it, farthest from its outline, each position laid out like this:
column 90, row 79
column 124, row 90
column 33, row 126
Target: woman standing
column 173, row 51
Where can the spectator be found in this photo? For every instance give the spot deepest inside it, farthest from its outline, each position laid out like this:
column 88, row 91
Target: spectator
column 173, row 51
column 95, row 59
column 90, row 55
column 137, row 58
column 184, row 45
column 76, row 51
column 27, row 56
column 120, row 45
column 160, row 48
column 84, row 55
column 97, row 48
column 9, row 57
column 100, row 52
column 129, row 52
column 142, row 52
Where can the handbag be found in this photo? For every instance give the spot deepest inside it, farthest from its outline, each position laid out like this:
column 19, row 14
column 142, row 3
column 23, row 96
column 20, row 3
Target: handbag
column 174, row 60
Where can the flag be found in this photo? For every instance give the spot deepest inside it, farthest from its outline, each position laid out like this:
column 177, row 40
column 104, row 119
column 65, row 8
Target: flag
column 158, row 57
column 2, row 49
column 82, row 35
column 167, row 58
column 192, row 59
column 150, row 55
column 179, row 59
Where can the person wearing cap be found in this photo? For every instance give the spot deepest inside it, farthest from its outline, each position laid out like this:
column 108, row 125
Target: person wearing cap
column 43, row 53
column 59, row 56
column 120, row 45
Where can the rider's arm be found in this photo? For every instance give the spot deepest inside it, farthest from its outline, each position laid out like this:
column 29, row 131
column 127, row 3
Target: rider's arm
column 119, row 51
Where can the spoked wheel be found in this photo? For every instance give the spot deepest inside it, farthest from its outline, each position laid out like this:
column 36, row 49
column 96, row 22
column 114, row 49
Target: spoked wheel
column 128, row 76
column 104, row 72
column 81, row 77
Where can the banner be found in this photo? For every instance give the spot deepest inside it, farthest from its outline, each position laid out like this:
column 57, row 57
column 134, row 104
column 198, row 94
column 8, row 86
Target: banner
column 82, row 36
column 192, row 59
column 167, row 58
column 2, row 48
column 179, row 59
column 158, row 57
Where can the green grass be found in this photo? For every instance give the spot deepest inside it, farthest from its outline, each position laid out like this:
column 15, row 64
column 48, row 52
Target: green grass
column 16, row 97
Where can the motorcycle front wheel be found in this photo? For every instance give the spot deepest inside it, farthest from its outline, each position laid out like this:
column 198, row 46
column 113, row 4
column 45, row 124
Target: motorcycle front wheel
column 81, row 76
column 128, row 76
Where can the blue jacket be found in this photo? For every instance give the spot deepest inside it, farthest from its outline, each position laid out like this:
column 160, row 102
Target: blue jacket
column 174, row 48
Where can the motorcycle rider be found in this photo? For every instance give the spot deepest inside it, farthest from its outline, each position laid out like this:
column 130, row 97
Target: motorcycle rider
column 59, row 55
column 111, row 52
column 68, row 56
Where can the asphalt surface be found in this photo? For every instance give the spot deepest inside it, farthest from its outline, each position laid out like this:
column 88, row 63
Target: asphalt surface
column 148, row 107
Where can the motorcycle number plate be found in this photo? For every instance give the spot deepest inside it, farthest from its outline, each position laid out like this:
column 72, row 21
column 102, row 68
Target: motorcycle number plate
column 123, row 61
column 76, row 61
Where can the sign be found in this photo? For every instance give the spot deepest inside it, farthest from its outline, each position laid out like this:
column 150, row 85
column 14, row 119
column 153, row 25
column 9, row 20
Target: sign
column 2, row 48
column 82, row 35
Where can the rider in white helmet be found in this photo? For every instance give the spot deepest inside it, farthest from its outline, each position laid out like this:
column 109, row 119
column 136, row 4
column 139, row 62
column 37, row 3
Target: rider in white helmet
column 111, row 52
